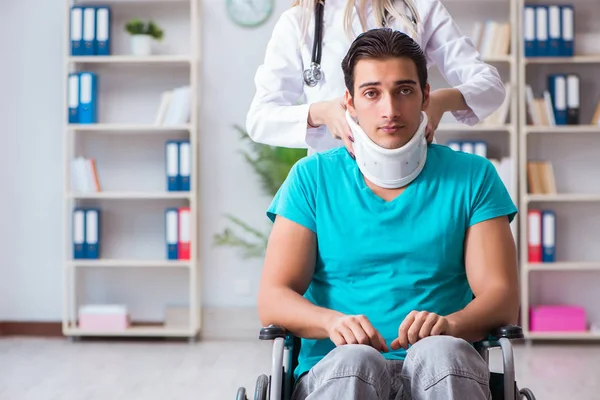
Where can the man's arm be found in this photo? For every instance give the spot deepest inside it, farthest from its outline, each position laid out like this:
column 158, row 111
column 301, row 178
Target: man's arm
column 287, row 272
column 491, row 265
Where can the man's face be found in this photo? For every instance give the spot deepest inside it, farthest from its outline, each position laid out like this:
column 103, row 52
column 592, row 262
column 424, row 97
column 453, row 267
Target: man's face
column 388, row 100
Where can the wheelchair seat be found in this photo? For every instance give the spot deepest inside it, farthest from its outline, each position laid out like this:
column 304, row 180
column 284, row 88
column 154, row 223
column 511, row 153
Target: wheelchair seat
column 279, row 384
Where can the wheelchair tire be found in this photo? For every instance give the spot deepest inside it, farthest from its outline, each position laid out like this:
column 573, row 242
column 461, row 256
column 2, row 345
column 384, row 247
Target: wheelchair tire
column 261, row 391
column 241, row 394
column 527, row 394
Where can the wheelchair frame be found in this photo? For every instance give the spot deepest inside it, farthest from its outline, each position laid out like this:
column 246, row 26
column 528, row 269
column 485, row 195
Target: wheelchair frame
column 280, row 384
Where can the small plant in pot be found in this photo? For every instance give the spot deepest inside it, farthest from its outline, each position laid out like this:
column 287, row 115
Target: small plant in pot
column 142, row 35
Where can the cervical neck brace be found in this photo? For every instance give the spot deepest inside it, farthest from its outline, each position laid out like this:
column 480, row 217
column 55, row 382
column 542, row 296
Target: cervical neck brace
column 389, row 168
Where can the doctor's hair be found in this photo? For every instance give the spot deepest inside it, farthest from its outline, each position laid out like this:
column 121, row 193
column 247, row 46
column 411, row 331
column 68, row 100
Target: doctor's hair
column 383, row 44
column 385, row 12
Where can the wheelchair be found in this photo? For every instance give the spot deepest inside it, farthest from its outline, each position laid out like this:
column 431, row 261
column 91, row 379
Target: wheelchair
column 279, row 384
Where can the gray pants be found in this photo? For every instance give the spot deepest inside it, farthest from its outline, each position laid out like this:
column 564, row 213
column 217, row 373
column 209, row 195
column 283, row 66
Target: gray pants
column 437, row 367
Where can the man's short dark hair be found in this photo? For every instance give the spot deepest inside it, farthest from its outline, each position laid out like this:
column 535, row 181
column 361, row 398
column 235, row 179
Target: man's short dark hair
column 381, row 44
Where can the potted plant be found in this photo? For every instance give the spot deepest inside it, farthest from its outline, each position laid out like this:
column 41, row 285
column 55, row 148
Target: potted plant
column 272, row 165
column 142, row 35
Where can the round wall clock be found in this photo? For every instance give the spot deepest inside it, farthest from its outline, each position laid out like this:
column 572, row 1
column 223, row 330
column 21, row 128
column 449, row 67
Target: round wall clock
column 249, row 12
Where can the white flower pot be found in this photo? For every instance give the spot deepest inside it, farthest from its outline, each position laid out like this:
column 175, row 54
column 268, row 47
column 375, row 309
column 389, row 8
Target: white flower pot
column 141, row 45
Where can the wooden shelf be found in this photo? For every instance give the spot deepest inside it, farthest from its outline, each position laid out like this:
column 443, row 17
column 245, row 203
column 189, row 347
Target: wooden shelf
column 564, row 266
column 563, row 129
column 456, row 127
column 130, row 94
column 129, row 59
column 134, row 195
column 498, row 59
column 562, row 335
column 133, row 128
column 136, row 3
column 534, row 71
column 147, row 331
column 115, row 263
column 562, row 197
column 583, row 59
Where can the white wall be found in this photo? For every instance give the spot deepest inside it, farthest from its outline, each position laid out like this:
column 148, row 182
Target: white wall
column 231, row 62
column 31, row 167
column 31, row 170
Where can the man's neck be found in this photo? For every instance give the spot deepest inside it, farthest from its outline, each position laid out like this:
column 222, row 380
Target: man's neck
column 386, row 194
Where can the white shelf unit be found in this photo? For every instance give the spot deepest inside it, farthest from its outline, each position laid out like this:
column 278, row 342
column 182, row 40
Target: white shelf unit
column 573, row 278
column 132, row 168
column 502, row 139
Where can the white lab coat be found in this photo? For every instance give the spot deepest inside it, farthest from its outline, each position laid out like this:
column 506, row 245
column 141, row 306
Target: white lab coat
column 279, row 110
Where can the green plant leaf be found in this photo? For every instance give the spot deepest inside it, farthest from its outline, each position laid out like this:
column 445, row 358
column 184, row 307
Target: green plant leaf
column 247, row 248
column 154, row 31
column 137, row 27
column 256, row 233
column 272, row 165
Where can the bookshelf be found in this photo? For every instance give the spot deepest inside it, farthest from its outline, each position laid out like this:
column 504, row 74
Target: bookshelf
column 570, row 277
column 490, row 25
column 127, row 143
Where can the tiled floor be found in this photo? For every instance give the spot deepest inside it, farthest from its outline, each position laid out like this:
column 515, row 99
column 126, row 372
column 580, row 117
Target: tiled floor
column 48, row 369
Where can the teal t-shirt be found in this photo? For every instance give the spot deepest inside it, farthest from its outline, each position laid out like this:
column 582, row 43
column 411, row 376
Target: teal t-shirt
column 386, row 259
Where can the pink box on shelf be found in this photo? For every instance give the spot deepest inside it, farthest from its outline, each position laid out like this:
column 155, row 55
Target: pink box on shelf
column 103, row 318
column 558, row 319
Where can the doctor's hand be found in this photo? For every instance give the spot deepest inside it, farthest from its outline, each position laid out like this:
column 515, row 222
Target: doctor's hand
column 355, row 329
column 332, row 113
column 419, row 325
column 434, row 115
column 435, row 111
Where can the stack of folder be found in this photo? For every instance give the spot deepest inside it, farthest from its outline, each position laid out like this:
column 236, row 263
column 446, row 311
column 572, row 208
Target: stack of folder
column 492, row 38
column 84, row 176
column 499, row 117
column 89, row 30
column 178, row 165
column 177, row 233
column 541, row 238
column 174, row 108
column 478, row 147
column 564, row 93
column 503, row 166
column 82, row 98
column 86, row 233
column 559, row 104
column 549, row 30
column 540, row 177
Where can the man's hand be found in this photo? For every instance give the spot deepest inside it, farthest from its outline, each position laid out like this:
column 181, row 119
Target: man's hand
column 355, row 329
column 418, row 325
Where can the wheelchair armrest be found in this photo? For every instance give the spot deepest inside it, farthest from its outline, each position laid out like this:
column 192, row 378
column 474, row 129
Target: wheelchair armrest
column 508, row 331
column 272, row 332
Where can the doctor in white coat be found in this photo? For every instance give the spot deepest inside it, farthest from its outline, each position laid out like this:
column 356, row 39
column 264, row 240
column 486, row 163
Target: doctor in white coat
column 300, row 86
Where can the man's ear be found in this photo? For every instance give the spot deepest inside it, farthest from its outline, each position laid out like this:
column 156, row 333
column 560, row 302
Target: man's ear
column 350, row 104
column 426, row 97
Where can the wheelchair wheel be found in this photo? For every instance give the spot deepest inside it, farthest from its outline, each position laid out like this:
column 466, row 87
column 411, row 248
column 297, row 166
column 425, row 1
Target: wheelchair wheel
column 262, row 388
column 527, row 394
column 241, row 394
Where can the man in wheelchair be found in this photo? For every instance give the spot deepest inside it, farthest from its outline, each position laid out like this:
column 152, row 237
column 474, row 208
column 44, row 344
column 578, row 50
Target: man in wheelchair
column 390, row 262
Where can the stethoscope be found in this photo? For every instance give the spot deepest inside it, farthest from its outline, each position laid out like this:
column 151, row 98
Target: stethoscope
column 314, row 74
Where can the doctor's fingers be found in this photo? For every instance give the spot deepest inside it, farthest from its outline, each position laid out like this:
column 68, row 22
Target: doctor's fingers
column 348, row 143
column 429, row 132
column 341, row 131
